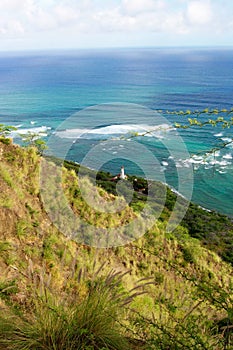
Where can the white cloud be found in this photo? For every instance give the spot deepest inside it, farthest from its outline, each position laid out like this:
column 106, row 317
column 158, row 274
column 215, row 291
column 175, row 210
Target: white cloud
column 16, row 27
column 51, row 17
column 39, row 19
column 175, row 24
column 76, row 18
column 66, row 14
column 13, row 5
column 137, row 15
column 134, row 7
column 114, row 21
column 199, row 12
column 12, row 29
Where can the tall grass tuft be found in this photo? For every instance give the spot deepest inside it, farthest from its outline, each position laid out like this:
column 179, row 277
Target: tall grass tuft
column 56, row 323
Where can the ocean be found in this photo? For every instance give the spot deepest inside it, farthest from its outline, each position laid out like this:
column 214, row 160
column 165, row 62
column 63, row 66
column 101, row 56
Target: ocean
column 107, row 108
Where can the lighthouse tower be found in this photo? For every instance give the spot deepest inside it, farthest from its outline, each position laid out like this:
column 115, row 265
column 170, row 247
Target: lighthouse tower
column 122, row 174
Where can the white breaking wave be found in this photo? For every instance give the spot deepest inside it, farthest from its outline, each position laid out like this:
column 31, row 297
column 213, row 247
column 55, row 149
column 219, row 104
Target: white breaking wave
column 217, row 154
column 227, row 156
column 42, row 130
column 220, row 162
column 164, row 163
column 226, row 139
column 116, row 130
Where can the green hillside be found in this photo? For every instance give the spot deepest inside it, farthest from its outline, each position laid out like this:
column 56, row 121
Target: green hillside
column 161, row 291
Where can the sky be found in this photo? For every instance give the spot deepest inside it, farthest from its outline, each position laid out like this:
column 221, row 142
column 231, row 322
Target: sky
column 74, row 24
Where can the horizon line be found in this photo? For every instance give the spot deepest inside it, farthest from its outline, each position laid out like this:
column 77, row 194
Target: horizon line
column 62, row 49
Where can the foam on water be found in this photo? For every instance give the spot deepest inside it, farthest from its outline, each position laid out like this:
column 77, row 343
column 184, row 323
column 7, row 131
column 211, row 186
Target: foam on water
column 116, row 130
column 164, row 163
column 41, row 130
column 227, row 156
column 226, row 139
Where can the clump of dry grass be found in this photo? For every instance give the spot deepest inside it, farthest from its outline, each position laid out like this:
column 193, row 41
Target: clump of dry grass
column 71, row 322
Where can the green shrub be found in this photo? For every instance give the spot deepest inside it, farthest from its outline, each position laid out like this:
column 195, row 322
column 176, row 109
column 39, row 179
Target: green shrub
column 188, row 255
column 10, row 157
column 6, row 176
column 5, row 140
column 159, row 278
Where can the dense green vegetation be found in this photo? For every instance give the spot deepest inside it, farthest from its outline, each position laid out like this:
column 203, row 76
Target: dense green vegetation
column 162, row 291
column 214, row 230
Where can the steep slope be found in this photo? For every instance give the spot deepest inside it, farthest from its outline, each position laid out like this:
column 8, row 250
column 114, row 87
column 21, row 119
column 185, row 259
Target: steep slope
column 183, row 291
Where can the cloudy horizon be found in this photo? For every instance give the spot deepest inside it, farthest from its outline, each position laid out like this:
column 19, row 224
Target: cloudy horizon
column 72, row 24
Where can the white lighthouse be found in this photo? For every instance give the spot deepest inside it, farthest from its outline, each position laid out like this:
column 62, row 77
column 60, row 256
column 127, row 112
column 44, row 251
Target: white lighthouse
column 122, row 174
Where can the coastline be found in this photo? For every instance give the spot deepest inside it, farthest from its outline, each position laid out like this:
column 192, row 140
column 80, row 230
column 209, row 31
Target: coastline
column 108, row 175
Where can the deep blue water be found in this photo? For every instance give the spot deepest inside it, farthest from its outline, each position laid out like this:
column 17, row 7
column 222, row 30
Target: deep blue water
column 39, row 91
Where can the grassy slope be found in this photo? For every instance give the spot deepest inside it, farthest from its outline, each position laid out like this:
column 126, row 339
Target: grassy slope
column 214, row 230
column 189, row 289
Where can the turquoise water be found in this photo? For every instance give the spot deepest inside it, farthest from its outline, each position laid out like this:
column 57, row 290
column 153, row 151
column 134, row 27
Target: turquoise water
column 39, row 91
